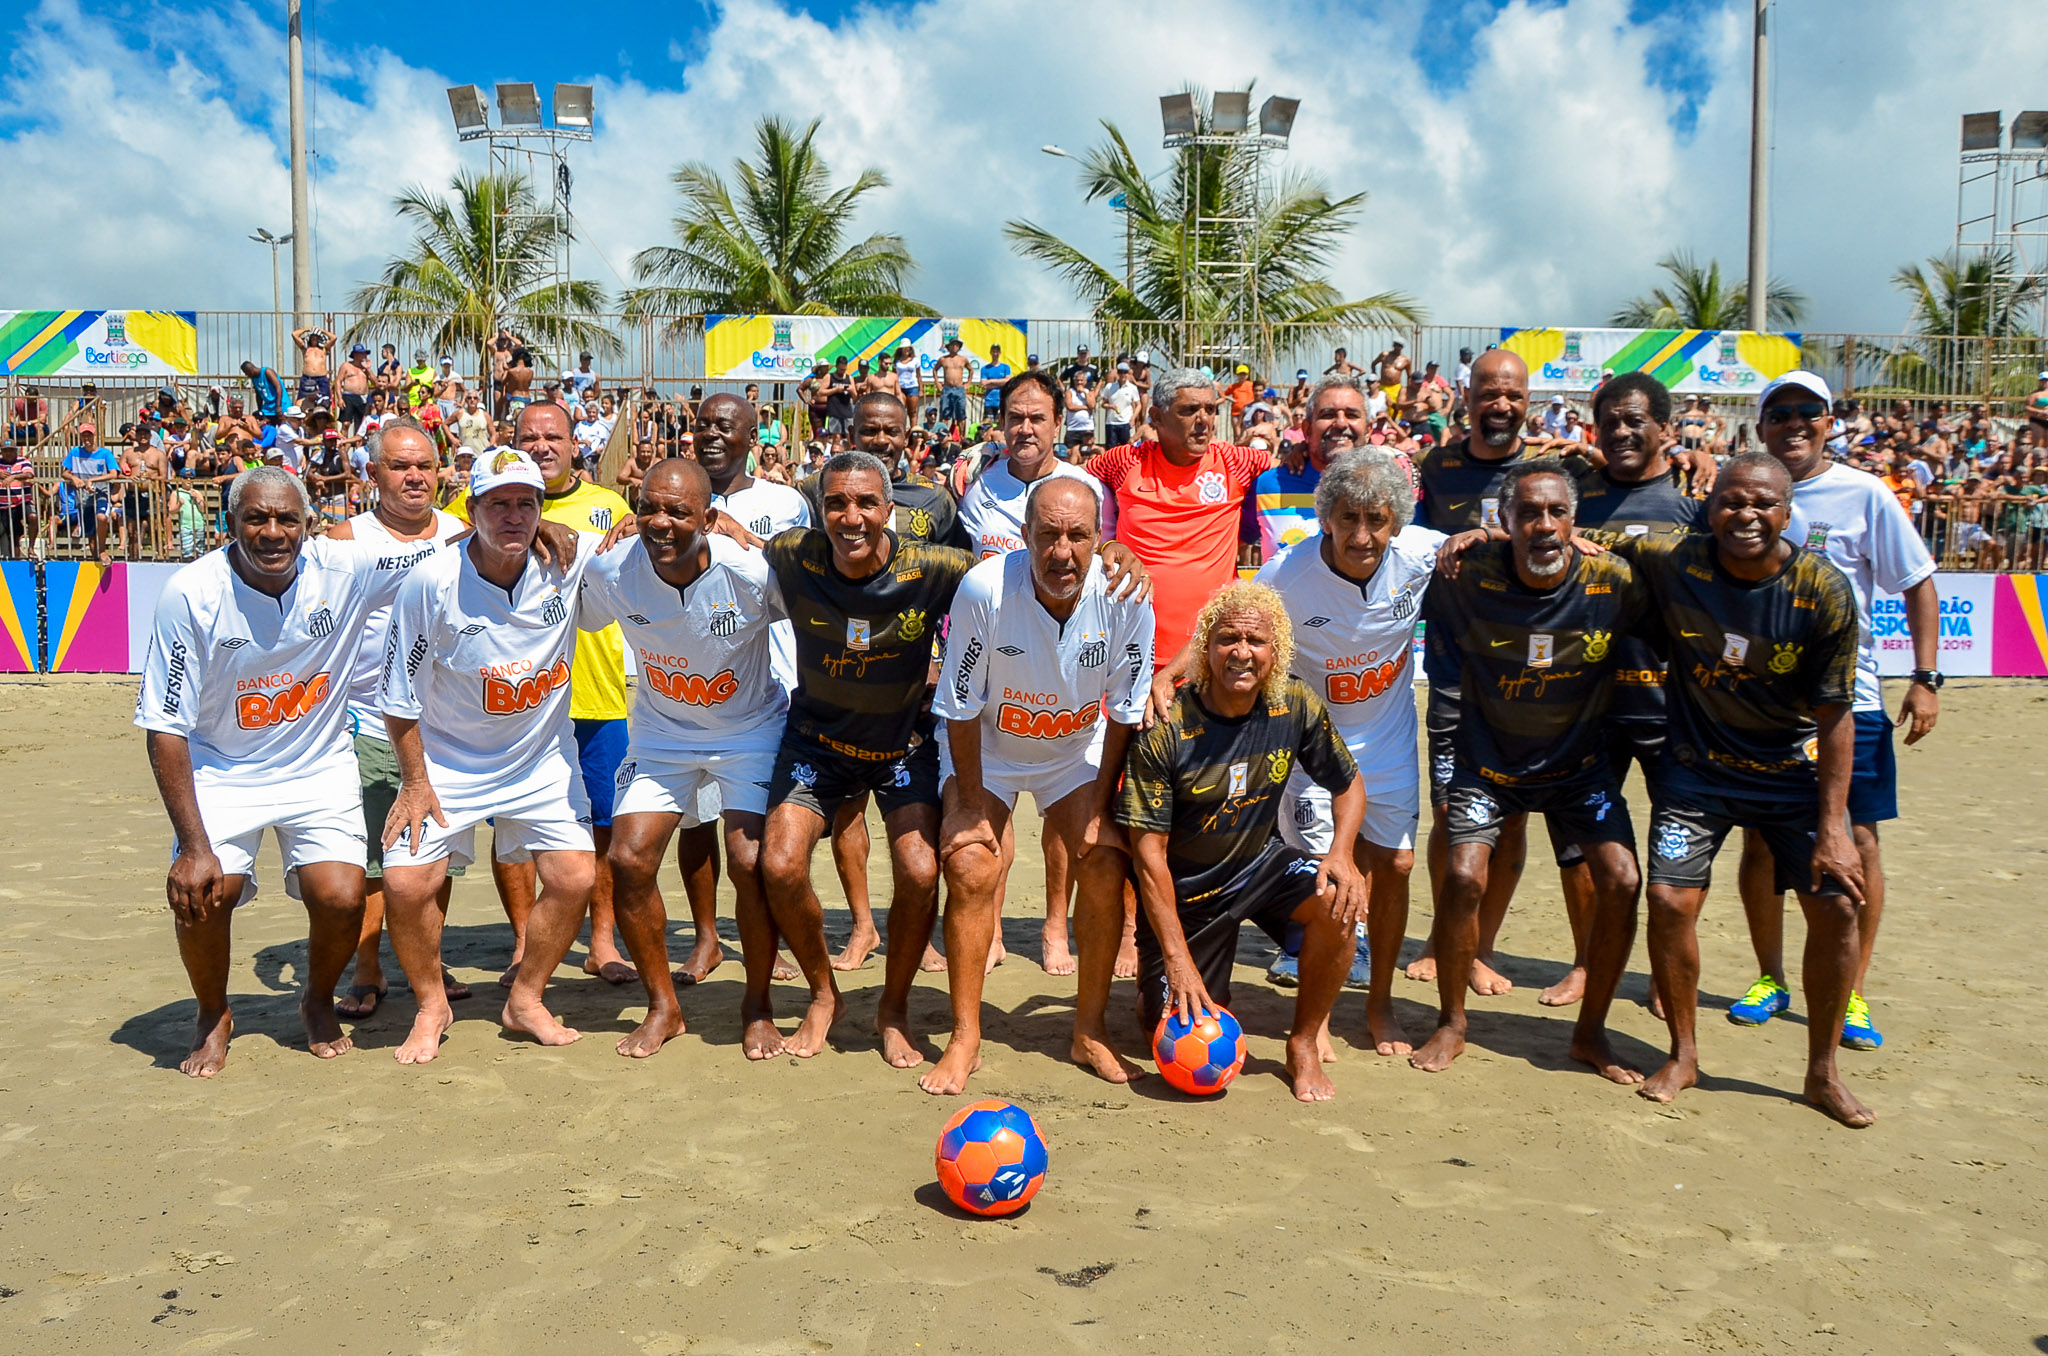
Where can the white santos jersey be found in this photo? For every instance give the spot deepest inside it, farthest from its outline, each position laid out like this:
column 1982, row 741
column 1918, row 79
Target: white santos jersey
column 1040, row 686
column 765, row 508
column 992, row 510
column 256, row 684
column 1352, row 644
column 705, row 656
column 1850, row 517
column 484, row 672
column 398, row 555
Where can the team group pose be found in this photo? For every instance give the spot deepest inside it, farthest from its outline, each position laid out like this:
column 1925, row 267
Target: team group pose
column 376, row 696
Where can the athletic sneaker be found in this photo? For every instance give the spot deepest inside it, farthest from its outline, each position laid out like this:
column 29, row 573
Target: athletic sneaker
column 1361, row 963
column 1285, row 971
column 1766, row 999
column 1857, row 1031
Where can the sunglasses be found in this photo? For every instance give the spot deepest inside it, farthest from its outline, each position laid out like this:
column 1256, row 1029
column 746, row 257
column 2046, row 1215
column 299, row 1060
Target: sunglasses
column 1806, row 411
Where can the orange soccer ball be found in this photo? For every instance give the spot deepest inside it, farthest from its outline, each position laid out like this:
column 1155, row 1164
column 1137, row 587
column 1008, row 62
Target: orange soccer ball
column 991, row 1158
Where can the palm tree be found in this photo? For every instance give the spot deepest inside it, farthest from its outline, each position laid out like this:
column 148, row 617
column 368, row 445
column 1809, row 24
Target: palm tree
column 775, row 247
column 1701, row 299
column 1972, row 298
column 447, row 292
column 1289, row 239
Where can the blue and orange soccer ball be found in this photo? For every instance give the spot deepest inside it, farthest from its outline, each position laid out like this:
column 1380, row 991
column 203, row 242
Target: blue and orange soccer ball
column 1200, row 1056
column 991, row 1158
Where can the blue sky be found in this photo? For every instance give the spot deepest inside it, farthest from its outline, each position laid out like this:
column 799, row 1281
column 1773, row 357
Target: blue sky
column 1527, row 161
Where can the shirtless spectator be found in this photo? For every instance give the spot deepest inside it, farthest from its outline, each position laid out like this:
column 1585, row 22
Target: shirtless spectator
column 1343, row 366
column 314, row 389
column 1392, row 369
column 953, row 386
column 390, row 375
column 356, row 381
column 448, row 388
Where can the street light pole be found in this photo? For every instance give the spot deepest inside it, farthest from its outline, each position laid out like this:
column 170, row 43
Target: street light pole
column 1760, row 172
column 264, row 237
column 302, row 226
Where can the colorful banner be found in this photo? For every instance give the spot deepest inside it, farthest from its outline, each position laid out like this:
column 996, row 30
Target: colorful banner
column 1690, row 362
column 1968, row 609
column 99, row 343
column 786, row 347
column 2019, row 636
column 18, row 616
column 88, row 610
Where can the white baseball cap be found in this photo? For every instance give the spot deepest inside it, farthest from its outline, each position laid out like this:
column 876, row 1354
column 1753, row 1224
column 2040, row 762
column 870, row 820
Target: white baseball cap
column 500, row 466
column 1803, row 380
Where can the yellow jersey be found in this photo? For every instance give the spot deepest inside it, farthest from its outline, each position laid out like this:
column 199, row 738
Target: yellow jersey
column 597, row 686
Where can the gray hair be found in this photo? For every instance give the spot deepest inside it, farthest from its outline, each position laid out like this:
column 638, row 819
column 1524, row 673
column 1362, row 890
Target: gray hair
column 1343, row 381
column 256, row 477
column 842, row 463
column 1170, row 382
column 373, row 446
column 1044, row 482
column 1365, row 480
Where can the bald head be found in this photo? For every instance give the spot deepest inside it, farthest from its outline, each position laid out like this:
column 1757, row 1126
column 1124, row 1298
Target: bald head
column 1061, row 495
column 1498, row 402
column 1062, row 528
column 679, row 476
column 1501, row 364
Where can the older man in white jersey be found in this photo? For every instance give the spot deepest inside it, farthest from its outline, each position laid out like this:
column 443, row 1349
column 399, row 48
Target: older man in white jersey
column 1045, row 676
column 241, row 697
column 707, row 720
column 475, row 693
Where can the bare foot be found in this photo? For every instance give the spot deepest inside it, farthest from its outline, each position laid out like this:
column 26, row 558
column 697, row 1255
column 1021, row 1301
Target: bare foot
column 997, row 954
column 707, row 955
column 510, row 977
column 858, row 948
column 1487, row 981
column 1595, row 1050
column 816, row 1025
column 1437, row 1053
column 1656, row 1003
column 1566, row 991
column 761, row 1040
column 209, row 1045
column 1305, row 1071
column 1054, row 954
column 1831, row 1096
column 613, row 971
column 1388, row 1037
column 1422, row 968
column 785, row 970
column 457, row 990
column 424, row 1041
column 1675, row 1077
column 1094, row 1053
column 362, row 1002
column 1126, row 958
column 658, row 1028
column 949, row 1076
column 898, row 1046
column 1325, row 1051
column 933, row 963
column 324, row 1036
column 536, row 1021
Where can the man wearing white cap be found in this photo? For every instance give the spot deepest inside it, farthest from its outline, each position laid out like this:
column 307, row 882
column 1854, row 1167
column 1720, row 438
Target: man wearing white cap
column 475, row 696
column 1850, row 517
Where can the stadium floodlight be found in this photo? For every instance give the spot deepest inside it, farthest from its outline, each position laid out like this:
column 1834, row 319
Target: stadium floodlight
column 575, row 106
column 1981, row 131
column 1177, row 113
column 518, row 104
column 466, row 102
column 1276, row 117
column 2030, row 131
column 1231, row 111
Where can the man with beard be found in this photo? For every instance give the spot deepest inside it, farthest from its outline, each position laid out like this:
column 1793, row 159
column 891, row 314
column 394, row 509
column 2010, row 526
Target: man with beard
column 1535, row 622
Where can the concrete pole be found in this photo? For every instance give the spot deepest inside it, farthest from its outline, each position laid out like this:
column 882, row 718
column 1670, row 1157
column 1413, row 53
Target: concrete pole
column 1760, row 172
column 302, row 226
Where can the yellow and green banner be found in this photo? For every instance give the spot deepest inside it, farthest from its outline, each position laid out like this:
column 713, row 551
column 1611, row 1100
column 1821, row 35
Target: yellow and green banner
column 98, row 343
column 1690, row 362
column 786, row 347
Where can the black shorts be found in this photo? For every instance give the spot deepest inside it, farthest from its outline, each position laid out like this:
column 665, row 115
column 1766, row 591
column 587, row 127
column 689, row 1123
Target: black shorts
column 820, row 780
column 1440, row 720
column 1585, row 809
column 1626, row 741
column 354, row 408
column 1080, row 437
column 1274, row 886
column 1689, row 823
column 1115, row 435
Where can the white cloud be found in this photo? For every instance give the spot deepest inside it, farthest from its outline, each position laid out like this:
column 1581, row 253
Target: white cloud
column 1540, row 190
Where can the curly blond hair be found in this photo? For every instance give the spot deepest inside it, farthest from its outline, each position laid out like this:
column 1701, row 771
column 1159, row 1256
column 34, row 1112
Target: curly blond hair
column 1244, row 596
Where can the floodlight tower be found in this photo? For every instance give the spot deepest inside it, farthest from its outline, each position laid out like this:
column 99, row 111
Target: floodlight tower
column 2002, row 206
column 1229, row 268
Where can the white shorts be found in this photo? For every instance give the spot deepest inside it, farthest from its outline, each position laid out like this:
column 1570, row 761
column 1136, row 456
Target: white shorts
column 700, row 786
column 546, row 811
column 327, row 826
column 1391, row 814
column 1048, row 783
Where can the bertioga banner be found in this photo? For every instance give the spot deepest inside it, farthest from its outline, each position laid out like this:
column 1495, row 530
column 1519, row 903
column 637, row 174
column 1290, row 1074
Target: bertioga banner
column 785, row 347
column 1689, row 362
column 99, row 343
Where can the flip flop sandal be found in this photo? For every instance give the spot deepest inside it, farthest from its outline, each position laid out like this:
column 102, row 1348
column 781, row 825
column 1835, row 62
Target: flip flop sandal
column 357, row 993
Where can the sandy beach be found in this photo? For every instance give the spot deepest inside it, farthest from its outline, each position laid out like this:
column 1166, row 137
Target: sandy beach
column 510, row 1198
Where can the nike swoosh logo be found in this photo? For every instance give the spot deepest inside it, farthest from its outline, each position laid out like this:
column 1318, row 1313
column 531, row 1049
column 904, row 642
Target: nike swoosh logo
column 819, row 621
column 1498, row 643
column 1454, row 505
column 1200, row 790
column 1690, row 635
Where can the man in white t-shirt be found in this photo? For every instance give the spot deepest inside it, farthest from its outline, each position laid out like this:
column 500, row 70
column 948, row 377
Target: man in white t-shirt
column 992, row 509
column 1046, row 676
column 241, row 697
column 475, row 694
column 696, row 609
column 1853, row 519
column 473, row 426
column 1119, row 403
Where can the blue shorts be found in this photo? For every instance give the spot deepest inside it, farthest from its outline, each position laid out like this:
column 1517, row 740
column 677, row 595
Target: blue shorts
column 600, row 748
column 953, row 402
column 1874, row 785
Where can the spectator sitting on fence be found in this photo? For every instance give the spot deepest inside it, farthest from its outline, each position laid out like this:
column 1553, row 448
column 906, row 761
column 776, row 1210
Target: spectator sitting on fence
column 84, row 493
column 31, row 423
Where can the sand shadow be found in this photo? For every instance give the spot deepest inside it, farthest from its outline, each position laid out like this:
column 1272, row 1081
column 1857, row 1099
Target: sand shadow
column 933, row 1197
column 164, row 1033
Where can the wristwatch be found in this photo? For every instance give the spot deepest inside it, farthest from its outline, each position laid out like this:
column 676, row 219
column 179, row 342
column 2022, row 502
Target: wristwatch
column 1929, row 678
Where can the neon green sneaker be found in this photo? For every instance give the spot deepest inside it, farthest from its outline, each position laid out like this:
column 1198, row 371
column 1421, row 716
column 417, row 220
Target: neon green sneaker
column 1766, row 999
column 1858, row 1033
